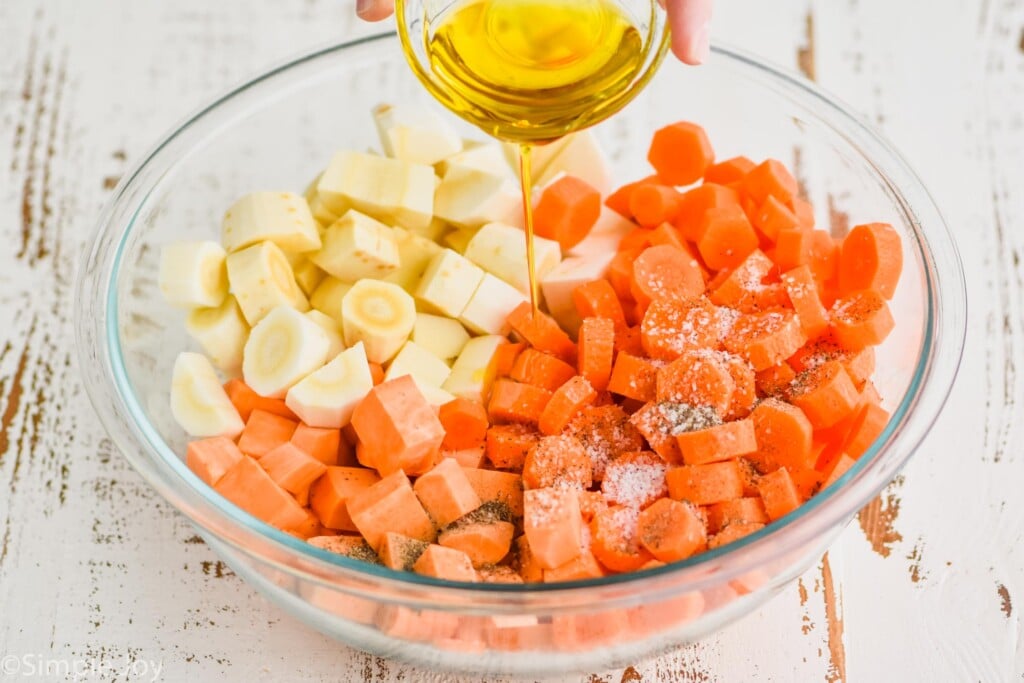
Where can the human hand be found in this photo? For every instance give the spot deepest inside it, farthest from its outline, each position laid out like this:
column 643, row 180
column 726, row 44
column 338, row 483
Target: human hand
column 690, row 21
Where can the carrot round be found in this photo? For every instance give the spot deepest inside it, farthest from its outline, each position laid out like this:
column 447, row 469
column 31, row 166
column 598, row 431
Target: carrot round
column 666, row 233
column 825, row 394
column 804, row 212
column 465, row 424
column 771, row 178
column 744, row 387
column 783, row 435
column 541, row 369
column 557, row 461
column 671, row 327
column 567, row 210
column 792, row 248
column 516, row 402
column 867, row 426
column 605, row 432
column 729, row 171
column 652, row 205
column 620, row 274
column 861, row 319
column 614, row 541
column 670, row 530
column 680, row 153
column 745, row 289
column 565, row 404
column 633, row 377
column 771, row 216
column 706, row 484
column 618, row 201
column 824, row 257
column 871, row 257
column 779, row 493
column 714, row 444
column 765, row 339
column 802, row 289
column 775, row 380
column 736, row 511
column 697, row 378
column 597, row 299
column 506, row 446
column 542, row 332
column 694, row 203
column 505, row 357
column 726, row 237
column 636, row 479
column 666, row 272
column 596, row 351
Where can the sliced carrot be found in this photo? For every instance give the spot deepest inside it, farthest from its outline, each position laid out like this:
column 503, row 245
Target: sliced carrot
column 211, row 458
column 771, row 216
column 557, row 461
column 498, row 573
column 771, row 178
column 802, row 289
column 861, row 319
column 672, row 327
column 783, row 434
column 633, row 377
column 264, row 432
column 660, row 423
column 860, row 365
column 524, row 562
column 721, row 442
column 804, row 212
column 516, row 402
column 330, row 494
column 505, row 357
column 248, row 486
column 614, row 541
column 629, row 340
column 736, row 511
column 668, row 234
column 397, row 428
column 567, row 210
column 867, row 426
column 681, row 153
column 390, row 505
column 729, row 171
column 765, row 339
column 377, row 373
column 582, row 567
column 503, row 488
column 706, row 484
column 465, row 424
column 467, row 457
column 636, row 239
column 542, row 332
column 605, row 432
column 652, row 205
column 824, row 256
column 664, row 271
column 591, row 503
column 597, row 299
column 445, row 563
column 779, row 494
column 670, row 530
column 400, row 552
column 636, row 479
column 246, row 400
column 552, row 524
column 293, row 469
column 871, row 258
column 540, row 369
column 825, row 394
column 322, row 443
column 618, row 201
column 445, row 492
column 744, row 393
column 485, row 542
column 733, row 532
column 620, row 274
column 726, row 237
column 842, row 466
column 745, row 289
column 507, row 445
column 775, row 380
column 697, row 378
column 699, row 200
column 596, row 351
column 793, row 248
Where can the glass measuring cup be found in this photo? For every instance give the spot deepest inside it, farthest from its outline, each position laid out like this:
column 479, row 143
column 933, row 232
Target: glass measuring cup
column 550, row 114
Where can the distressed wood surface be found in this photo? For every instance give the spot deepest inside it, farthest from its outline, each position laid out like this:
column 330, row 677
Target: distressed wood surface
column 93, row 565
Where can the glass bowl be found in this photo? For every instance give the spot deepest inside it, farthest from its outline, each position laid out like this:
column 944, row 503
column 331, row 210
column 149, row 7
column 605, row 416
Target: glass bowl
column 278, row 130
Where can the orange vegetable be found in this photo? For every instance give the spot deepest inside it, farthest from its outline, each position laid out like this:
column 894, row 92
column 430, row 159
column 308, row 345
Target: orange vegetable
column 673, row 327
column 706, row 484
column 515, row 402
column 771, row 178
column 825, row 394
column 505, row 488
column 744, row 393
column 696, row 202
column 652, row 204
column 445, row 492
column 733, row 532
column 726, row 237
column 614, row 541
column 505, row 357
column 871, row 257
column 606, row 433
column 264, row 432
column 765, row 339
column 565, row 404
column 583, row 566
column 397, row 428
column 729, row 171
column 636, row 479
column 400, row 552
column 841, row 467
column 867, row 426
column 465, row 424
column 775, row 380
column 322, row 443
column 542, row 332
column 389, row 505
column 745, row 289
column 721, row 442
column 293, row 470
column 567, row 210
column 541, row 370
column 804, row 212
column 681, row 153
column 557, row 461
column 467, row 457
column 784, row 436
column 793, row 248
column 591, row 503
column 668, row 234
column 697, row 378
column 210, row 459
column 246, row 400
column 597, row 299
column 861, row 319
column 248, row 486
column 484, row 542
column 771, row 216
column 620, row 275
column 736, row 511
column 670, row 530
column 618, row 201
column 665, row 271
column 596, row 351
column 802, row 290
column 824, row 256
column 552, row 523
column 661, row 421
column 329, row 495
column 633, row 377
column 779, row 494
column 377, row 373
column 629, row 340
column 507, row 445
column 445, row 563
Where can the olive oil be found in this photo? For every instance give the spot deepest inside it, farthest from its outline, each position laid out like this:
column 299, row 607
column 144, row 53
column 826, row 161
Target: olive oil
column 532, row 71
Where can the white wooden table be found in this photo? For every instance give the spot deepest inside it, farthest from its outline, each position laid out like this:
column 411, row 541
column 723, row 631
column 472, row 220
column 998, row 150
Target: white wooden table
column 94, row 567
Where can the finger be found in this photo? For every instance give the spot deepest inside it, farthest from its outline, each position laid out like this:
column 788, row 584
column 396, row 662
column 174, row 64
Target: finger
column 374, row 10
column 690, row 21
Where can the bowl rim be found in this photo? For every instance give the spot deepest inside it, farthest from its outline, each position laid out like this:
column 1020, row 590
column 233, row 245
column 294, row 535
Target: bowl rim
column 936, row 368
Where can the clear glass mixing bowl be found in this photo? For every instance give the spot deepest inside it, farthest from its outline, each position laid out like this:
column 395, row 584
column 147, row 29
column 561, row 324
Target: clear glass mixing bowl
column 277, row 131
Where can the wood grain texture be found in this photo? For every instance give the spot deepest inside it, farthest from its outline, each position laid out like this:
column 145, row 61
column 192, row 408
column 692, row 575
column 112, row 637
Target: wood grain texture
column 923, row 588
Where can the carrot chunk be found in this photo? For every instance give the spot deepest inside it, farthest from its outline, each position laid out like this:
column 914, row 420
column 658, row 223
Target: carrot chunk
column 671, row 327
column 614, row 540
column 802, row 289
column 484, row 542
column 620, row 275
column 729, row 171
column 524, row 562
column 540, row 369
column 446, row 493
column 246, row 400
column 733, row 532
column 665, row 271
column 765, row 339
column 503, row 488
column 706, row 484
column 515, row 402
column 464, row 422
column 697, row 378
column 293, row 470
column 793, row 248
column 445, row 563
column 557, row 461
column 467, row 457
column 390, row 505
column 771, row 178
column 633, row 377
column 565, row 404
column 605, row 432
column 680, row 153
column 841, row 467
column 264, row 432
column 322, row 443
column 567, row 210
column 772, row 216
column 552, row 524
column 583, row 566
column 652, row 204
column 542, row 332
column 597, row 299
column 736, row 511
column 596, row 351
column 400, row 552
column 714, row 444
column 330, row 494
column 861, row 319
column 744, row 393
column 774, row 381
column 696, row 202
column 825, row 394
column 670, row 530
column 505, row 357
column 779, row 494
column 661, row 421
column 871, row 257
column 397, row 428
column 377, row 373
column 635, row 479
column 591, row 503
column 726, row 237
column 507, row 445
column 867, row 426
column 784, row 436
column 210, row 459
column 248, row 486
column 618, row 201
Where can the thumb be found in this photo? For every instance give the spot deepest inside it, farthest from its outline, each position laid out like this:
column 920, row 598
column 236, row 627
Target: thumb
column 690, row 22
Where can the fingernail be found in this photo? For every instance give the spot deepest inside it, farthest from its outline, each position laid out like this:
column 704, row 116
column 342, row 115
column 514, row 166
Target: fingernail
column 700, row 46
column 362, row 6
